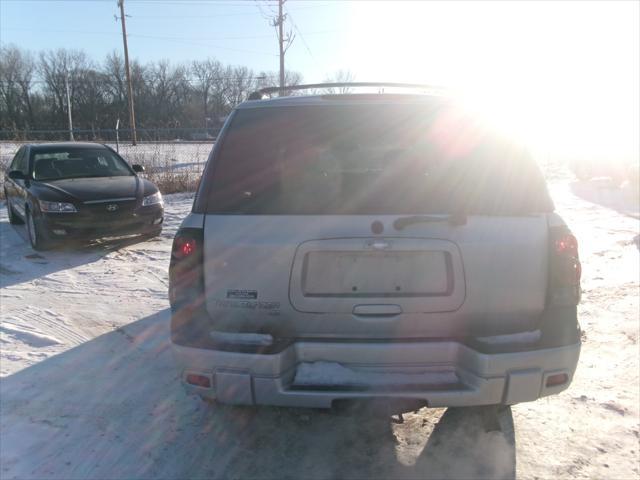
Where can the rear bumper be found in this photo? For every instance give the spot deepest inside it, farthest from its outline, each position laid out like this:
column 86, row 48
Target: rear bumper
column 480, row 378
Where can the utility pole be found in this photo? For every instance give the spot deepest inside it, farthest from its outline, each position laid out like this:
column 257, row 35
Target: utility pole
column 132, row 115
column 281, row 45
column 284, row 42
column 66, row 84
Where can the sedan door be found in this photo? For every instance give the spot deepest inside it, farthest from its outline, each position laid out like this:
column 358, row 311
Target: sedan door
column 16, row 189
column 9, row 185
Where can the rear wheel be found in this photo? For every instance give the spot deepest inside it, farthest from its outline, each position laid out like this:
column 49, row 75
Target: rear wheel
column 37, row 235
column 13, row 218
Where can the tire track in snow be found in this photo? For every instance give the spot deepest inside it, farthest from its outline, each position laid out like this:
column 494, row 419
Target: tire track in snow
column 40, row 328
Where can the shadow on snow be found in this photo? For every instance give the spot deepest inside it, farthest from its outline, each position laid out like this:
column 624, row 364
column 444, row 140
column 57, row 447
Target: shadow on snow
column 113, row 408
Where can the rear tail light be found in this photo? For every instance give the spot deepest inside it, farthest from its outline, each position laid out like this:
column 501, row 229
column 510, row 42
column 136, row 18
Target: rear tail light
column 565, row 269
column 190, row 323
column 186, row 276
column 183, row 247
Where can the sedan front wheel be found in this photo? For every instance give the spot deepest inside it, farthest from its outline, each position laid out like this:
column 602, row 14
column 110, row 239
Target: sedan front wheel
column 37, row 235
column 13, row 218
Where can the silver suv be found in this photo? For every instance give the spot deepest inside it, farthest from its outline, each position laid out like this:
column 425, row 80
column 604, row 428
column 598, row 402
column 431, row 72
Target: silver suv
column 360, row 246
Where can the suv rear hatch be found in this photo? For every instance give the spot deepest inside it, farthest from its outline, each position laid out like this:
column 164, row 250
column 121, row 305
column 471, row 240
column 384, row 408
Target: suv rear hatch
column 371, row 220
column 377, row 276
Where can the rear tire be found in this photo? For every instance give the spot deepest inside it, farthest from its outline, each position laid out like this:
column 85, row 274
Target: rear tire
column 37, row 236
column 13, row 218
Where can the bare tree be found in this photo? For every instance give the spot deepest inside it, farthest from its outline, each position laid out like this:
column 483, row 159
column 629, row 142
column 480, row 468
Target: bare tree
column 33, row 91
column 56, row 69
column 209, row 83
column 238, row 82
column 91, row 99
column 115, row 77
column 340, row 76
column 16, row 82
column 271, row 79
column 161, row 91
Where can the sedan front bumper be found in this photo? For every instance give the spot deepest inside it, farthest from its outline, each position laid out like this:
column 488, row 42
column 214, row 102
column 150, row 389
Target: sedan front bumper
column 88, row 225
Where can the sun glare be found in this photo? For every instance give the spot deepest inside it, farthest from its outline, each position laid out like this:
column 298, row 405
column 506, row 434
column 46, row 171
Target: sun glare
column 561, row 75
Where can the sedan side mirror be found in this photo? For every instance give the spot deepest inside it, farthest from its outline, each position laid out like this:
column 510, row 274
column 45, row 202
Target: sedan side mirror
column 137, row 168
column 17, row 175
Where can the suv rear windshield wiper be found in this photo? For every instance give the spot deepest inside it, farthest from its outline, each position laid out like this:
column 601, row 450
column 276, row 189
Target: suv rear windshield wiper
column 455, row 219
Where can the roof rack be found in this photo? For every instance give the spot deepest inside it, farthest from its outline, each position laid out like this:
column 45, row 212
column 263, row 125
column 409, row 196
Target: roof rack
column 260, row 94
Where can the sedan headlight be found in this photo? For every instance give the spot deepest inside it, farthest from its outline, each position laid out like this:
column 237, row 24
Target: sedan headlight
column 57, row 207
column 152, row 199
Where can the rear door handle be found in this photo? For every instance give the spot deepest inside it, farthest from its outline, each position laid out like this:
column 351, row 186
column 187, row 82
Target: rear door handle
column 377, row 310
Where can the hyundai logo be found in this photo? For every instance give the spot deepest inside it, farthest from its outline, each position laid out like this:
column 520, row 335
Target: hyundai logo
column 112, row 207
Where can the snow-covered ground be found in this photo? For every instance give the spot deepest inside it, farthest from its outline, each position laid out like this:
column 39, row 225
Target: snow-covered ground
column 89, row 389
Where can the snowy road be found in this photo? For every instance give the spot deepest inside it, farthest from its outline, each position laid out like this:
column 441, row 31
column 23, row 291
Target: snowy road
column 89, row 389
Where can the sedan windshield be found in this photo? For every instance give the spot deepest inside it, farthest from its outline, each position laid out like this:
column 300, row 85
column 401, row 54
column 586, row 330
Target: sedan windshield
column 59, row 163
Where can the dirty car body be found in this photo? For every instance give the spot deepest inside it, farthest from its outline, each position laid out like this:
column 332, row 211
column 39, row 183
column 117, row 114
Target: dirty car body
column 372, row 246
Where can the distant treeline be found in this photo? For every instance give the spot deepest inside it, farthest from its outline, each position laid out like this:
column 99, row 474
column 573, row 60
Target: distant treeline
column 186, row 95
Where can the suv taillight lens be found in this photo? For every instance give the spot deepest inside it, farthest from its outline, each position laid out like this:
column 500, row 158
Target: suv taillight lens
column 565, row 269
column 190, row 323
column 183, row 247
column 186, row 279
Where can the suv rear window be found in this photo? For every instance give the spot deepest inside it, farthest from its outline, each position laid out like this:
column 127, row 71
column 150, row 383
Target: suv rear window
column 369, row 159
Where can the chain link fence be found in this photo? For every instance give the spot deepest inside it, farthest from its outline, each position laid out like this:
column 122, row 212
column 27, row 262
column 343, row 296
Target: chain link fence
column 173, row 158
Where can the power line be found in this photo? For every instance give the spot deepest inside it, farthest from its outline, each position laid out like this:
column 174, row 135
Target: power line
column 183, row 40
column 201, row 2
column 197, row 39
column 264, row 15
column 307, row 3
column 233, row 14
column 237, row 14
column 93, row 32
column 304, row 42
column 166, row 2
column 188, row 42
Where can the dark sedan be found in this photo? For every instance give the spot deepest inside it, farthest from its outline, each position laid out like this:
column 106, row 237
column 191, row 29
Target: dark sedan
column 79, row 191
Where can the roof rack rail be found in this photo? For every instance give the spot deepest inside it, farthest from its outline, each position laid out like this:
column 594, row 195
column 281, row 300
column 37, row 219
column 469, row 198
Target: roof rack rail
column 260, row 94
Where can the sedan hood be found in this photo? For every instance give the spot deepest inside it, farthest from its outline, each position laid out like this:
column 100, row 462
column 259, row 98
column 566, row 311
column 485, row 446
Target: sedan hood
column 102, row 188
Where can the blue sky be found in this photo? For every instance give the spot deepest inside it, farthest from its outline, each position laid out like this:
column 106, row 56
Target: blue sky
column 233, row 31
column 434, row 42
